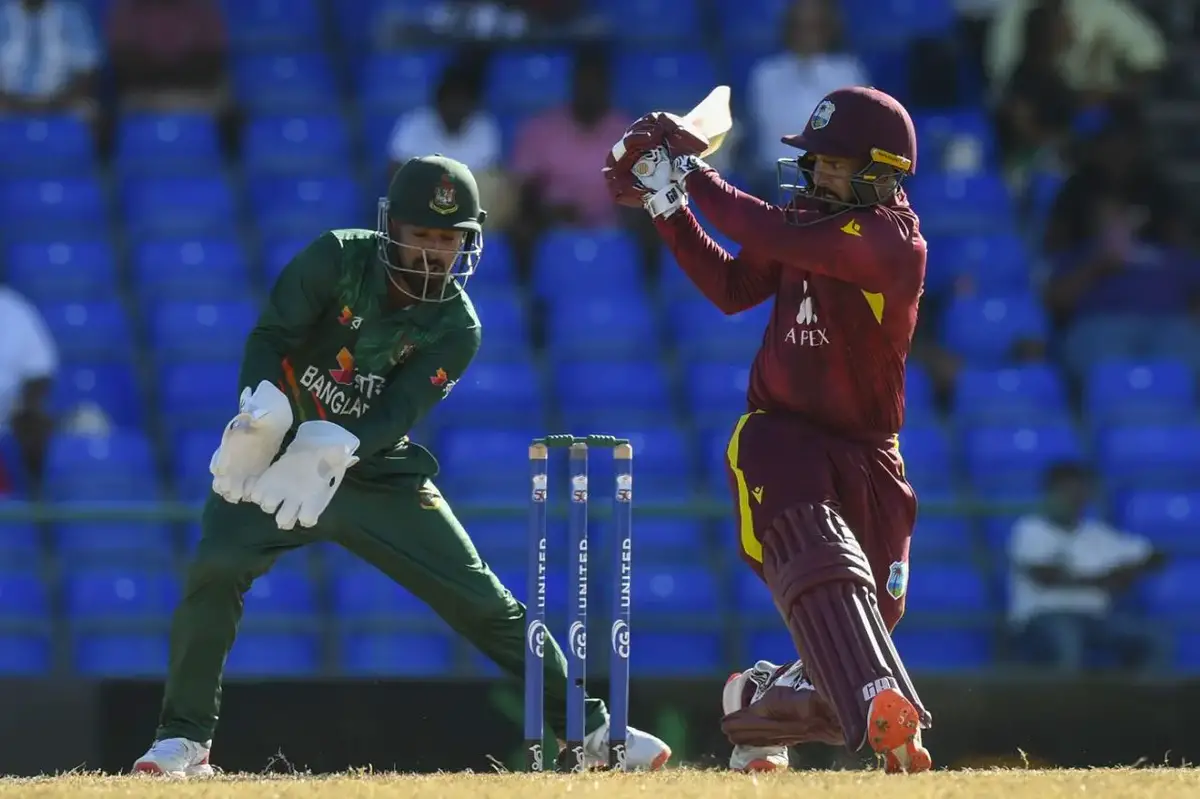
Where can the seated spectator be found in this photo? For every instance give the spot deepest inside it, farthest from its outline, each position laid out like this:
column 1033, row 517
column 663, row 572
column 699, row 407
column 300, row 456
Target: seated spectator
column 488, row 20
column 1114, row 46
column 558, row 155
column 1037, row 106
column 168, row 54
column 28, row 362
column 1066, row 572
column 1121, row 283
column 49, row 58
column 457, row 125
column 785, row 88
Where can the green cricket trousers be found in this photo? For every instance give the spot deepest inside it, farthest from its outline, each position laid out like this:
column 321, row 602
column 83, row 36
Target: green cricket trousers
column 405, row 529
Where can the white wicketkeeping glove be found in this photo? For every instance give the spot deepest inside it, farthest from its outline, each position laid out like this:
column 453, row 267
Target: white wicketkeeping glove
column 663, row 178
column 250, row 441
column 300, row 485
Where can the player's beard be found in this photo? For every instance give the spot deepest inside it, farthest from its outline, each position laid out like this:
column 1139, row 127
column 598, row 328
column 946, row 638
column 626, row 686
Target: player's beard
column 426, row 277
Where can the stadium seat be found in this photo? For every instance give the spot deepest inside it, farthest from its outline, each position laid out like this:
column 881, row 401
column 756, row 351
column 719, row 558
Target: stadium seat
column 280, row 594
column 1117, row 392
column 84, row 331
column 199, row 394
column 490, row 463
column 496, row 391
column 269, row 24
column 120, row 655
column 603, row 326
column 270, row 83
column 113, row 467
column 928, row 455
column 296, row 145
column 1163, row 457
column 202, row 330
column 20, row 544
column 673, row 81
column 939, row 130
column 179, row 207
column 274, row 655
column 678, row 654
column 305, row 208
column 1168, row 518
column 996, row 264
column 50, row 145
column 891, row 23
column 192, row 449
column 498, row 269
column 52, row 208
column 195, row 270
column 1016, row 457
column 366, row 595
column 62, row 271
column 1174, row 592
column 919, row 404
column 665, row 587
column 24, row 655
column 528, row 81
column 610, row 386
column 752, row 597
column 396, row 654
column 24, row 600
column 165, row 144
column 699, row 329
column 278, row 252
column 1021, row 394
column 91, row 541
column 958, row 204
column 94, row 595
column 641, row 20
column 984, row 330
column 656, row 534
column 942, row 538
column 716, row 390
column 112, row 387
column 947, row 588
column 503, row 314
column 568, row 264
column 394, row 82
column 927, row 649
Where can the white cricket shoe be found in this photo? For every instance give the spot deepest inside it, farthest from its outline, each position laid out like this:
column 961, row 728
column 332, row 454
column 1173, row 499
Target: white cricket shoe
column 643, row 751
column 753, row 758
column 175, row 757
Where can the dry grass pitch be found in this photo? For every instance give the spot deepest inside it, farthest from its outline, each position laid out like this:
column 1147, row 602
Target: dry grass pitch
column 1156, row 783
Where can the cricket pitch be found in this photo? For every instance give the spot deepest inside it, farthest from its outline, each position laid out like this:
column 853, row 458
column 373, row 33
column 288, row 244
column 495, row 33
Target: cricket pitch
column 1152, row 783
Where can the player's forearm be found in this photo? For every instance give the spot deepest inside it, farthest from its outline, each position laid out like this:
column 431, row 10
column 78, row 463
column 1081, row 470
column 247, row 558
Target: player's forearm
column 731, row 286
column 263, row 359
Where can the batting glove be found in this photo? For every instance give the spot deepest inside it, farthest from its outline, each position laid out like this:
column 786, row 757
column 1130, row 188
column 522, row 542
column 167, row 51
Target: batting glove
column 300, row 485
column 250, row 442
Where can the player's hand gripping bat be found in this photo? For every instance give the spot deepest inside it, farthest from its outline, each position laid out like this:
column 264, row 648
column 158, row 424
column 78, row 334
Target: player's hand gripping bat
column 710, row 120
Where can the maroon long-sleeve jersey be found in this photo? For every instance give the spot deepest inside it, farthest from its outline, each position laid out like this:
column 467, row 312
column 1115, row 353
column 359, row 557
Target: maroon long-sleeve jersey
column 846, row 291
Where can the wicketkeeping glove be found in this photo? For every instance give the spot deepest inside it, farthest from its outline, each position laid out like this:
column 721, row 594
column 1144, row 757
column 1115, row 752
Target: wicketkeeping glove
column 250, row 441
column 300, row 485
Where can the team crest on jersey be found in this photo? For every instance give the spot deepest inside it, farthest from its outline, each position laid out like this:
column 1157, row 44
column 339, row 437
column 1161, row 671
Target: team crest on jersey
column 444, row 200
column 820, row 117
column 897, row 582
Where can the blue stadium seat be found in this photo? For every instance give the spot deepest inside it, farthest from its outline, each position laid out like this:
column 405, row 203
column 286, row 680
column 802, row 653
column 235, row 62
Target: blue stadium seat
column 121, row 655
column 499, row 464
column 1020, row 394
column 305, row 208
column 603, row 327
column 502, row 312
column 571, row 263
column 36, row 209
column 98, row 329
column 920, row 406
column 396, row 654
column 191, row 452
column 179, row 207
column 498, row 269
column 947, row 587
column 611, row 386
column 985, row 329
column 1165, row 457
column 657, row 79
column 1174, row 592
column 284, row 83
column 928, row 455
column 1015, row 457
column 366, row 594
column 109, row 594
column 24, row 655
column 280, row 594
column 24, row 599
column 714, row 449
column 215, row 330
column 199, row 394
column 938, row 130
column 961, row 204
column 940, row 650
column 162, row 144
column 699, row 329
column 60, row 271
column 1169, row 518
column 1118, row 392
column 682, row 654
column 751, row 25
column 20, row 544
column 751, row 595
column 395, row 82
column 278, row 252
column 655, row 534
column 891, row 23
column 262, row 24
column 942, row 538
column 668, row 587
column 296, row 145
column 118, row 466
column 716, row 390
column 496, row 391
column 274, row 655
column 528, row 81
column 641, row 21
column 87, row 541
column 112, row 387
column 52, row 145
column 195, row 270
column 996, row 264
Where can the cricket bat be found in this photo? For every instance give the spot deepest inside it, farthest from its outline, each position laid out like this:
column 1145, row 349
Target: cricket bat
column 710, row 119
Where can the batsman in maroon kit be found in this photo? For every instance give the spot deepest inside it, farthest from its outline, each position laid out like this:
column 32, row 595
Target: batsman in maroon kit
column 824, row 510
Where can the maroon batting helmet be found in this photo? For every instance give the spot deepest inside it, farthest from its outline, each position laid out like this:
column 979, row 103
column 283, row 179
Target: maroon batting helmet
column 860, row 123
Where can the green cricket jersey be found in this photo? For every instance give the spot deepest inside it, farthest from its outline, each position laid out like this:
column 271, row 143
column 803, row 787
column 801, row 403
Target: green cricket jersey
column 329, row 341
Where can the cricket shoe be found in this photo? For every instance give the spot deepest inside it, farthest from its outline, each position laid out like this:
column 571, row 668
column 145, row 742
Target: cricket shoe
column 742, row 689
column 175, row 757
column 894, row 731
column 643, row 751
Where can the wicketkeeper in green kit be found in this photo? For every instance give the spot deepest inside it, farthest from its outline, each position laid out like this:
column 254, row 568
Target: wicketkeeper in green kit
column 365, row 331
